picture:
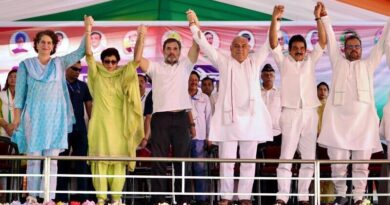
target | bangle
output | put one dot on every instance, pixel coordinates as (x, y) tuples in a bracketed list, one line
[(317, 19)]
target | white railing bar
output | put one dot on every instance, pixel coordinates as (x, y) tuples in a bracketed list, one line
[(158, 177), (154, 193), (183, 177), (183, 161), (366, 194), (317, 185), (157, 159), (187, 193), (162, 159), (356, 178), (197, 177)]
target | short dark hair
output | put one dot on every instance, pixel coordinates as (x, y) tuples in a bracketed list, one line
[(195, 73), (49, 33), (208, 33), (296, 38), (170, 40), (110, 52), (97, 33), (323, 83), (267, 68), (207, 78), (350, 37)]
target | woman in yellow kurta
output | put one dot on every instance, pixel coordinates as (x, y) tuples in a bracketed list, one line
[(116, 125)]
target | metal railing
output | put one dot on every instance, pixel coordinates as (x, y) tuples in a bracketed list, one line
[(317, 175)]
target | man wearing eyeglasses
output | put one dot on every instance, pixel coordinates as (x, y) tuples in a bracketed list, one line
[(350, 121), (77, 139)]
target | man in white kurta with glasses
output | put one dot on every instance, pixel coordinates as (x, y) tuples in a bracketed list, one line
[(241, 117), (350, 121)]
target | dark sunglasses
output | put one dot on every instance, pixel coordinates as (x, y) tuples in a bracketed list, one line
[(113, 62), (74, 68)]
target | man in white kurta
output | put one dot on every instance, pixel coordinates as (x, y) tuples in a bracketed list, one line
[(299, 117), (240, 118), (271, 97), (350, 121)]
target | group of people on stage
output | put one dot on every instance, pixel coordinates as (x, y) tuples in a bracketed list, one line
[(46, 103)]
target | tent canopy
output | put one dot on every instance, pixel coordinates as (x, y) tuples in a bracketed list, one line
[(152, 10)]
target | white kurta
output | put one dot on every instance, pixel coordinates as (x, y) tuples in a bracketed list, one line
[(213, 101), (385, 123), (7, 109), (298, 80), (384, 129), (272, 101), (240, 113), (350, 121)]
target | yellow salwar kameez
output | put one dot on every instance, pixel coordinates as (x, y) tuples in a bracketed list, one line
[(116, 125)]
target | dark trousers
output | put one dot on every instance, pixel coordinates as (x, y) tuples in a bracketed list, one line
[(78, 143), (170, 129)]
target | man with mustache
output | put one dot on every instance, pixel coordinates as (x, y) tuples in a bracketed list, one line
[(201, 112), (299, 117), (241, 117), (170, 122), (350, 121)]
